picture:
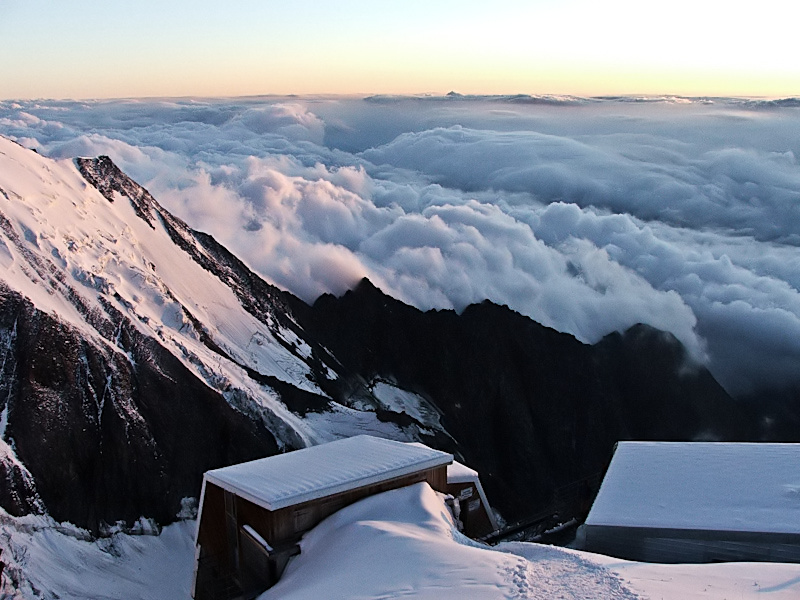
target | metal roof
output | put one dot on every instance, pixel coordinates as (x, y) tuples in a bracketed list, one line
[(287, 479), (715, 486)]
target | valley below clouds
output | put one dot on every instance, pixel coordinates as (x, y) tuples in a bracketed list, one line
[(588, 215)]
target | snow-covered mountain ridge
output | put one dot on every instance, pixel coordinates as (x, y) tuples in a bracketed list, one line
[(115, 314), (137, 353)]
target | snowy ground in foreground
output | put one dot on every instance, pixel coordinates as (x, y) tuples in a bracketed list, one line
[(400, 544), (59, 561)]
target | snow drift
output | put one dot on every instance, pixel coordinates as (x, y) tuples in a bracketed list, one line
[(399, 546)]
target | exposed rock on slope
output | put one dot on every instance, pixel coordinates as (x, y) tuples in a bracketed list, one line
[(108, 434)]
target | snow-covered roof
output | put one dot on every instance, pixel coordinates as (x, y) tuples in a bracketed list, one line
[(458, 473), (311, 473), (710, 486)]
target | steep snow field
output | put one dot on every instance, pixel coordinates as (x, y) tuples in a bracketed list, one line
[(69, 250), (400, 544)]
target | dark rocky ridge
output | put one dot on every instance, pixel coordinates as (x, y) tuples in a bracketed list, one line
[(107, 177), (531, 408)]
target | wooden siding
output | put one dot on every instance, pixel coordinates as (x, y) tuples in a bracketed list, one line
[(474, 513), (690, 545), (220, 539)]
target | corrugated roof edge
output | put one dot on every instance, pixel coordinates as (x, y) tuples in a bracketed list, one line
[(442, 458)]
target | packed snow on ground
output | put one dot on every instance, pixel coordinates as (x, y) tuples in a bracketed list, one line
[(400, 544), (51, 560)]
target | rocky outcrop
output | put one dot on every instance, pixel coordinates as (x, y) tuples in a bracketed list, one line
[(109, 180), (106, 433)]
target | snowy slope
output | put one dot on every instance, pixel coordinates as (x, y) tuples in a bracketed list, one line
[(401, 544), (48, 560), (88, 245), (74, 253), (144, 353)]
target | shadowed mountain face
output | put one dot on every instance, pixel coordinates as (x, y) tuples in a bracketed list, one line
[(136, 353), (531, 408)]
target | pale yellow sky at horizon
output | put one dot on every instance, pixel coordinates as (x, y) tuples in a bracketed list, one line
[(90, 49)]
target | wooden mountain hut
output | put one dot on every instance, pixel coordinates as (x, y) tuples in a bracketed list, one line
[(252, 515), (475, 513)]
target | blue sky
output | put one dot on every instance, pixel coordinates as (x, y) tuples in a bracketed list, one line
[(92, 49)]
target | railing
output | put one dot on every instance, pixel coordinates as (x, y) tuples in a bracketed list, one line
[(568, 502)]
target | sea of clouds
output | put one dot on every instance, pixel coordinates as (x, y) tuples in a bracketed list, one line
[(587, 215)]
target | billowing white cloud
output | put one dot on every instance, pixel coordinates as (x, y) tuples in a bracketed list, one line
[(588, 216), (751, 191)]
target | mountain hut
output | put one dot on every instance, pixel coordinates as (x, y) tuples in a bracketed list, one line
[(698, 502), (252, 515)]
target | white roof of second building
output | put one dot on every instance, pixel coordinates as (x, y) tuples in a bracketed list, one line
[(287, 479), (458, 473), (709, 486)]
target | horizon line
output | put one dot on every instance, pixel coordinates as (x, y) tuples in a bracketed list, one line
[(451, 95)]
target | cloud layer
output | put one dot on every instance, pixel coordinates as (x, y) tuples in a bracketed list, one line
[(588, 216)]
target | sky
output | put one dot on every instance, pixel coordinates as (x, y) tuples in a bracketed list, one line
[(95, 49), (588, 216), (276, 127)]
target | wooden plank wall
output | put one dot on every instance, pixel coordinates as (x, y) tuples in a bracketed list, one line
[(287, 525), (474, 514), (282, 528)]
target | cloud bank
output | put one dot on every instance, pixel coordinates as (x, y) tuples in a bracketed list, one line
[(587, 215)]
